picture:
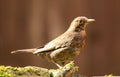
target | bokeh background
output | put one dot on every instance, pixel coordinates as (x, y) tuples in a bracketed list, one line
[(33, 23)]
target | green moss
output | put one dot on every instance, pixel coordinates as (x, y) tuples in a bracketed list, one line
[(20, 71), (9, 71), (109, 75), (2, 68), (5, 74)]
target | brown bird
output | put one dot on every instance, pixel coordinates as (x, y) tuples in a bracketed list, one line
[(65, 47)]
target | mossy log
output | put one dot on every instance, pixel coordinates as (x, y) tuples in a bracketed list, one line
[(33, 71)]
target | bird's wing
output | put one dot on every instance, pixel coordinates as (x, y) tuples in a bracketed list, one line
[(60, 42)]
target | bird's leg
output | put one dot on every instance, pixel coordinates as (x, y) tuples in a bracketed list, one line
[(59, 66)]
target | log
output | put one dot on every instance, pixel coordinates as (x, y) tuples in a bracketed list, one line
[(32, 71)]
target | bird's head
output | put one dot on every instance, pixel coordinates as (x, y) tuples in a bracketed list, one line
[(80, 23)]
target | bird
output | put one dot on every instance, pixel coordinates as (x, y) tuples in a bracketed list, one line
[(64, 48)]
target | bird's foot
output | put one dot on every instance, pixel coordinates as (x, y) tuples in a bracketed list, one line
[(60, 67)]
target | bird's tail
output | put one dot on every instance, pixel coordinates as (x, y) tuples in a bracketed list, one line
[(24, 50)]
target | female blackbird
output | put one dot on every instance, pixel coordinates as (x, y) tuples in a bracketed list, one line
[(65, 47)]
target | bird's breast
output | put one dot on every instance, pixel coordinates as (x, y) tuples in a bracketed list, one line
[(78, 43)]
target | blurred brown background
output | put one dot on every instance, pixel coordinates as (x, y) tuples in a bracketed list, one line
[(32, 23)]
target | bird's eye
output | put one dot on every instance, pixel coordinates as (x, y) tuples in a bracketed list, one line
[(81, 21)]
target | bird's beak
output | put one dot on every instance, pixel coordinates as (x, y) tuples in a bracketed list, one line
[(91, 20)]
